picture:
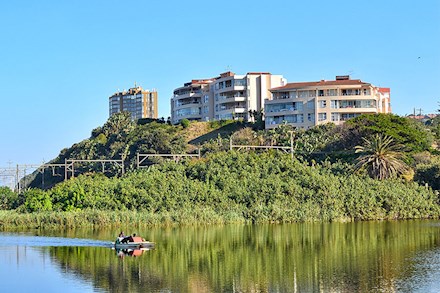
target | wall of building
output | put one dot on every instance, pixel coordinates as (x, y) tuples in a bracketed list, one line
[(139, 102)]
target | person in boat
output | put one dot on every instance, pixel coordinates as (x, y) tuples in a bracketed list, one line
[(128, 239), (121, 236)]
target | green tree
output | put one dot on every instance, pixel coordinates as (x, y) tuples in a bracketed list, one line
[(380, 157), (406, 131), (8, 198)]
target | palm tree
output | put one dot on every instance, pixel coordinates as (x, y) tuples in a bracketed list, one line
[(381, 157)]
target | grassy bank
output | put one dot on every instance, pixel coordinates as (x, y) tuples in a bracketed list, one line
[(91, 218)]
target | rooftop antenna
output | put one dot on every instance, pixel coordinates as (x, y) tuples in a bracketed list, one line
[(420, 111), (228, 68), (135, 85)]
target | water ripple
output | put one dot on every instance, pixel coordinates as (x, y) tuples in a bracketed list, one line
[(42, 241)]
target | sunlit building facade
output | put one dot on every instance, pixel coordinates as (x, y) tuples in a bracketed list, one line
[(228, 96), (139, 102), (306, 104)]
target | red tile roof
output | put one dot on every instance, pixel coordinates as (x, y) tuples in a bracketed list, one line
[(297, 85), (384, 89)]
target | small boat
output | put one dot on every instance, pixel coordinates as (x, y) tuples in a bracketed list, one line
[(132, 243)]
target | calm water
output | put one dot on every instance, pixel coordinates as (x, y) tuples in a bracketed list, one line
[(351, 257)]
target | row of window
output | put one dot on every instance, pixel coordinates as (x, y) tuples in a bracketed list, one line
[(295, 118), (182, 92), (223, 107), (337, 116), (295, 94), (342, 104), (299, 118), (230, 83), (179, 103), (187, 112), (237, 94)]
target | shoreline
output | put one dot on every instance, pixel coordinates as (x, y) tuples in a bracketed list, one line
[(94, 219)]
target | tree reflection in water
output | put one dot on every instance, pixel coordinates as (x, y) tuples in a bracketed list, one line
[(342, 257)]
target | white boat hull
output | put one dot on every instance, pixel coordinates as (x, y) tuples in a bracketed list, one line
[(131, 245)]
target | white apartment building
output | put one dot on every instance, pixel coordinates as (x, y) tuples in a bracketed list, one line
[(228, 96), (306, 104)]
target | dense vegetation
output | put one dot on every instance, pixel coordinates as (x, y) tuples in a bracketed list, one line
[(319, 184), (241, 187)]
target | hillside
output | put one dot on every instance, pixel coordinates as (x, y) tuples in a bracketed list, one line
[(120, 138)]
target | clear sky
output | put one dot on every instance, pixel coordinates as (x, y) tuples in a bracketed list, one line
[(61, 60)]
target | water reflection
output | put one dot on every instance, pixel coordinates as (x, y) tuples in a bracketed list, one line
[(350, 257), (131, 252)]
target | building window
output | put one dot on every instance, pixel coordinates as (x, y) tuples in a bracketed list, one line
[(322, 116), (310, 117), (332, 92), (335, 117), (311, 104), (322, 104), (334, 104)]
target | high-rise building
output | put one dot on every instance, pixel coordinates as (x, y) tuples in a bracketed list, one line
[(306, 104), (139, 102), (228, 96)]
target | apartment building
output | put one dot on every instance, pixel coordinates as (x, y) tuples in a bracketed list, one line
[(306, 104), (193, 101), (227, 96), (139, 102)]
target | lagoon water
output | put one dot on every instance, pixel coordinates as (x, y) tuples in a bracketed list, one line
[(399, 256)]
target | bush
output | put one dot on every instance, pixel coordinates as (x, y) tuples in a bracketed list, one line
[(185, 123), (429, 173), (8, 199)]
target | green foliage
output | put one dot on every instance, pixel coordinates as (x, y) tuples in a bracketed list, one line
[(220, 123), (403, 130), (185, 123), (118, 138), (8, 198), (381, 157), (244, 187), (315, 139), (36, 200), (101, 139), (429, 173)]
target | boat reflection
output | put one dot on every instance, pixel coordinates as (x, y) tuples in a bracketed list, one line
[(121, 253)]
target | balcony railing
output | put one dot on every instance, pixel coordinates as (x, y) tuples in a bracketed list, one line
[(188, 103)]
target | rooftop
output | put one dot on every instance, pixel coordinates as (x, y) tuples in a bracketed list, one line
[(340, 81)]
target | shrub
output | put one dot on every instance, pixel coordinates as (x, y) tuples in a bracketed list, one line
[(185, 123), (8, 199)]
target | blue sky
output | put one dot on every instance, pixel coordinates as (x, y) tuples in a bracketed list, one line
[(61, 60)]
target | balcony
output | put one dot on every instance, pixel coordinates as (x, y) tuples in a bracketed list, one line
[(230, 99), (187, 95), (232, 110)]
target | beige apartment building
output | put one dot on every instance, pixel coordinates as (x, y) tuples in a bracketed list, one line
[(306, 104), (139, 102), (228, 96), (193, 101)]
